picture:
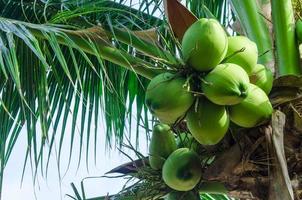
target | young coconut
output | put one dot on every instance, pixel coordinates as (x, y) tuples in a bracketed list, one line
[(168, 98), (208, 123), (243, 52), (263, 78), (204, 44), (182, 196), (227, 84), (182, 170), (253, 110), (162, 144)]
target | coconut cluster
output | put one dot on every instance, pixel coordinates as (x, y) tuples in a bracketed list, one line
[(179, 163), (177, 157), (220, 83), (228, 84)]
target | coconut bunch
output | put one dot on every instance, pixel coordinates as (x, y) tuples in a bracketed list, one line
[(180, 166), (179, 159), (220, 82)]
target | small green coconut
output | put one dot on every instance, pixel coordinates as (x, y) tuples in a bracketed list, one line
[(243, 52), (227, 84), (204, 44), (253, 110), (182, 170), (183, 196), (208, 123), (162, 144), (263, 78), (167, 97)]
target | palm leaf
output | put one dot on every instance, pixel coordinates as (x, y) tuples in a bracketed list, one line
[(48, 73)]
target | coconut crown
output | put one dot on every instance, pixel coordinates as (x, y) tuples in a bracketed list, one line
[(168, 98), (208, 123), (204, 44), (226, 84), (253, 110), (243, 52), (162, 144), (182, 170), (262, 77)]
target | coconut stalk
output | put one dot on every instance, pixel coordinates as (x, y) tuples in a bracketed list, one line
[(287, 55), (255, 27)]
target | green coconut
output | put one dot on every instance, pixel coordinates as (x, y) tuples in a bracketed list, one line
[(167, 97), (253, 110), (227, 84), (182, 196), (263, 78), (204, 44), (182, 170), (208, 123), (162, 144), (243, 52)]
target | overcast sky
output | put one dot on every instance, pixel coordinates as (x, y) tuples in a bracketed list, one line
[(49, 188)]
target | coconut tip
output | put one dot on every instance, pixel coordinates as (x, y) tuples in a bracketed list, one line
[(243, 90), (243, 94)]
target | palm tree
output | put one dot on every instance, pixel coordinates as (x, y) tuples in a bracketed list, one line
[(85, 58)]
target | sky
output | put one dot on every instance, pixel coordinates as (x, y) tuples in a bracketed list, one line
[(50, 188)]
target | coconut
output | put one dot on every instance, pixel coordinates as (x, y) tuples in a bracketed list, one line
[(227, 84), (253, 110), (182, 170), (167, 97), (208, 123), (161, 146), (182, 196), (243, 52), (263, 78), (204, 44)]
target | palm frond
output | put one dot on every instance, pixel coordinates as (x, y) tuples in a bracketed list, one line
[(49, 73)]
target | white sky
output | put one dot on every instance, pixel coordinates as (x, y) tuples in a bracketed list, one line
[(49, 188)]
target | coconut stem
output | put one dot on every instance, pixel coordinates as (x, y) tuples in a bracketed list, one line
[(233, 54), (206, 82), (287, 58)]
